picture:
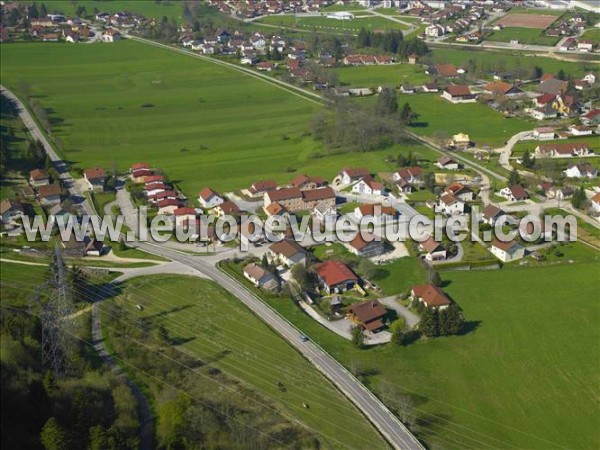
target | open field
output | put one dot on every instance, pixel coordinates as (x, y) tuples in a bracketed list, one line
[(532, 36), (508, 61), (481, 123), (484, 389), (592, 35), (180, 114), (214, 327), (147, 8), (384, 75), (368, 22), (520, 20)]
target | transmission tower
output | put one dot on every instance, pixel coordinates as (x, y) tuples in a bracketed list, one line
[(57, 328)]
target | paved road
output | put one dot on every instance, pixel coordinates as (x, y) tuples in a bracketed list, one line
[(387, 424)]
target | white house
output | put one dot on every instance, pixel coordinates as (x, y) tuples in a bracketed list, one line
[(460, 191), (95, 178), (515, 193), (579, 130), (581, 170), (543, 133), (369, 186), (434, 31), (507, 251), (379, 213), (350, 175), (447, 163), (287, 252), (111, 35), (491, 214), (208, 198), (433, 250), (260, 277), (449, 204)]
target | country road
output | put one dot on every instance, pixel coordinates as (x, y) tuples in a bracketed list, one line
[(380, 416)]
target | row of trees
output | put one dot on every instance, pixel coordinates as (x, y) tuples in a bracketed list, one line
[(442, 323)]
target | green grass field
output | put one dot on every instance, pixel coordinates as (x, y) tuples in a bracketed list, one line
[(508, 61), (385, 75), (520, 379), (592, 35), (207, 126), (147, 8), (216, 328), (366, 21), (532, 36), (481, 123)]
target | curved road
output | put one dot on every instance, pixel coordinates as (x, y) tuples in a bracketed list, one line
[(379, 415)]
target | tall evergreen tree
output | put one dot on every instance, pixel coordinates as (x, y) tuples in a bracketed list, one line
[(430, 322)]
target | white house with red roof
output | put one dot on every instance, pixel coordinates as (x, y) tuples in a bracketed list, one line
[(369, 186), (335, 276), (95, 178), (431, 296), (507, 251), (350, 175), (433, 249), (209, 198)]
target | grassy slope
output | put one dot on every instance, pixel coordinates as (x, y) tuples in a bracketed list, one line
[(520, 380), (523, 146), (342, 26), (592, 35), (216, 328), (231, 127)]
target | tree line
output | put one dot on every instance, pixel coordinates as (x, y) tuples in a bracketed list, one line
[(391, 42)]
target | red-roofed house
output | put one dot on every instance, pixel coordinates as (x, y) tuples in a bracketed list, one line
[(38, 177), (350, 175), (433, 249), (369, 186), (368, 314), (458, 93), (258, 189), (209, 198), (366, 245), (335, 276), (431, 296), (507, 251), (95, 177)]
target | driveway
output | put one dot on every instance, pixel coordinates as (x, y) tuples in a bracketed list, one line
[(411, 318)]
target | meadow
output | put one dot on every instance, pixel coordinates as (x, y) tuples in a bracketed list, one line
[(210, 324), (532, 36), (592, 35), (203, 124), (507, 61), (384, 75), (147, 8), (520, 378), (521, 147), (368, 22), (484, 125)]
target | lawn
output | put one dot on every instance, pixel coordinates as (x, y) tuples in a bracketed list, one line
[(384, 75), (507, 61), (147, 8), (532, 36), (214, 327), (519, 379), (202, 124), (484, 125), (592, 35), (368, 22)]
